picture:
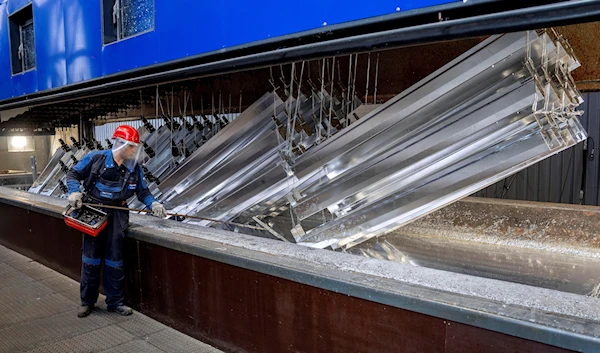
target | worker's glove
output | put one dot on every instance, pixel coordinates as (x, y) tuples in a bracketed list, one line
[(158, 210), (75, 200)]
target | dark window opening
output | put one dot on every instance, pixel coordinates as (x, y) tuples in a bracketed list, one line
[(22, 42), (126, 18)]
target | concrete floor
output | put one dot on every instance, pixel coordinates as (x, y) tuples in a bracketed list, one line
[(38, 313)]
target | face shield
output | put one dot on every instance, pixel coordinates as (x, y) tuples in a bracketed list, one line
[(128, 151)]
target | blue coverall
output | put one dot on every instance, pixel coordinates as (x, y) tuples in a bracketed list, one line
[(106, 183)]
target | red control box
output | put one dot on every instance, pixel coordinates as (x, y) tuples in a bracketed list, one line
[(87, 219)]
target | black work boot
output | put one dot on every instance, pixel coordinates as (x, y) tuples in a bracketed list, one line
[(121, 310), (84, 310)]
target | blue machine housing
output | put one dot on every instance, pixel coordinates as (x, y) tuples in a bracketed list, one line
[(69, 47)]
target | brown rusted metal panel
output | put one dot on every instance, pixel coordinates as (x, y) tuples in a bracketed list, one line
[(463, 338), (261, 313), (585, 40), (42, 238)]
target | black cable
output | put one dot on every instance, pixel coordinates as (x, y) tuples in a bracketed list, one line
[(497, 191), (505, 191), (588, 154), (566, 176)]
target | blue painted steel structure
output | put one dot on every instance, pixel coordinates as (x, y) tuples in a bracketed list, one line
[(68, 34)]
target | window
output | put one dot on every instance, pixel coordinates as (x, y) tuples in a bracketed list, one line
[(126, 18), (22, 43), (21, 144)]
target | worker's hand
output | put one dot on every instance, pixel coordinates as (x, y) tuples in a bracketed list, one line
[(158, 210), (75, 200)]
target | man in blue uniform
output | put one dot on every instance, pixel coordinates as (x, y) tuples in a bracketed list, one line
[(110, 177)]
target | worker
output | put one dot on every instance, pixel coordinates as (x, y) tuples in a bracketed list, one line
[(110, 177)]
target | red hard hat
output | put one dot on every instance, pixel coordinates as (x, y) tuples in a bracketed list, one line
[(127, 133)]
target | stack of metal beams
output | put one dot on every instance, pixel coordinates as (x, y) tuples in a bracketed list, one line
[(50, 168), (498, 108), (164, 148), (52, 180), (502, 106), (169, 145), (247, 163)]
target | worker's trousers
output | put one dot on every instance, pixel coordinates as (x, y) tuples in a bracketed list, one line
[(104, 251)]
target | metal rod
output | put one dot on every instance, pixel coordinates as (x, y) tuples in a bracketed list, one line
[(376, 79), (349, 91), (269, 229), (331, 96), (33, 169), (293, 128), (353, 85), (220, 111), (171, 130), (289, 138), (193, 119), (322, 99), (141, 103), (175, 214)]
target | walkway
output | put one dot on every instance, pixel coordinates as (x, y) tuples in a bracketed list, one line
[(38, 313)]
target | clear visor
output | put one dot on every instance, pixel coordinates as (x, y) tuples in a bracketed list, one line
[(129, 152)]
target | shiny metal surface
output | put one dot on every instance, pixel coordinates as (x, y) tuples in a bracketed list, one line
[(164, 149), (245, 163), (161, 144), (58, 176), (245, 167), (411, 100), (539, 268), (489, 119), (253, 118), (42, 179), (387, 169), (428, 193), (167, 147)]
